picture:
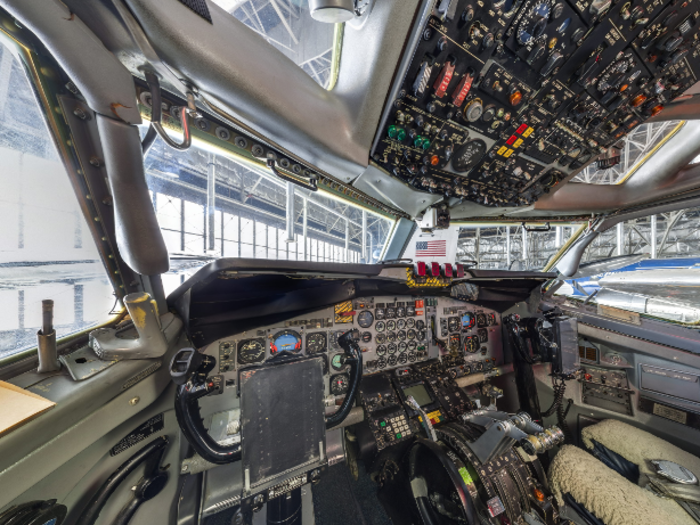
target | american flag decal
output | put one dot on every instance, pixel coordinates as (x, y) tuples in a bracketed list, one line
[(431, 248)]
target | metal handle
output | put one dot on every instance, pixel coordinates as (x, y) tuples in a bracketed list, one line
[(187, 138), (310, 186)]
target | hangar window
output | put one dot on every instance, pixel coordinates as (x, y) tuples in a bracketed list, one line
[(636, 147), (46, 249), (287, 25), (511, 247), (209, 206), (650, 265)]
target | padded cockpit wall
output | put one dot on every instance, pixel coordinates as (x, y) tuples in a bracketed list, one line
[(237, 71)]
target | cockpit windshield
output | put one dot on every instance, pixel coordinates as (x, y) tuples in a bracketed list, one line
[(287, 25), (210, 206)]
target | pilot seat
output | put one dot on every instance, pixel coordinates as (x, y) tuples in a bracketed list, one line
[(616, 481)]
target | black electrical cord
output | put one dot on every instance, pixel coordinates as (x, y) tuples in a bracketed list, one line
[(559, 387), (156, 111)]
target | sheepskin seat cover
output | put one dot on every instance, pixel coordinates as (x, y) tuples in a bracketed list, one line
[(638, 446), (609, 496)]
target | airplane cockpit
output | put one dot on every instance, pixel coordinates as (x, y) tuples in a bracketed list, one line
[(349, 262)]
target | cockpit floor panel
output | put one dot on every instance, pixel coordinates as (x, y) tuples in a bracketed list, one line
[(340, 500)]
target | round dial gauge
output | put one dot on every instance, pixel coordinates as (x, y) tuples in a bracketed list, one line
[(410, 323), (334, 339), (478, 366), (366, 337), (379, 313), (391, 325), (381, 350), (391, 348), (411, 334), (491, 319), (381, 362), (420, 325), (410, 311), (412, 346), (468, 155), (251, 351), (403, 347), (316, 343), (379, 327), (403, 358), (483, 335), (401, 311), (365, 319), (392, 360), (286, 341), (411, 357), (340, 384), (401, 335), (480, 319), (401, 324), (420, 335), (453, 324), (468, 320), (380, 339), (337, 363), (471, 344), (390, 337), (390, 313), (454, 342)]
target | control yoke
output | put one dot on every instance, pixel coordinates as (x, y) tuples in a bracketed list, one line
[(189, 370), (353, 357)]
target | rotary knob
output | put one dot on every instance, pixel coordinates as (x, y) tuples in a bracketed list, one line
[(671, 43), (552, 62), (537, 52), (473, 110), (599, 7)]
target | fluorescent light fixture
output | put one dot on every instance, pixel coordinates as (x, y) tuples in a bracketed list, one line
[(332, 11)]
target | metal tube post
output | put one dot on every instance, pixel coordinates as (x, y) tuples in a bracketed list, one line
[(620, 238), (347, 239), (290, 212), (364, 236), (46, 340), (211, 203), (652, 234), (305, 229), (507, 247), (524, 254)]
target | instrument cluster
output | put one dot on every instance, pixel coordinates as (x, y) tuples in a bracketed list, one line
[(394, 332), (503, 99)]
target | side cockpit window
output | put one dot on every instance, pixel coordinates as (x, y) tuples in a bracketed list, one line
[(46, 249)]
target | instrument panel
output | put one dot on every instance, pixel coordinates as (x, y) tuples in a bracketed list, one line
[(503, 99), (395, 331)]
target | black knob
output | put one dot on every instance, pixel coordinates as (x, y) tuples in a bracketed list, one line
[(552, 62), (537, 52)]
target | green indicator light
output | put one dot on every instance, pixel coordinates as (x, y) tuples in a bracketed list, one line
[(382, 424), (393, 130), (418, 141), (426, 144), (398, 436), (401, 134)]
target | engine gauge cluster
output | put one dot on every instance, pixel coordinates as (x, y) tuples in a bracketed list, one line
[(412, 330), (504, 99)]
